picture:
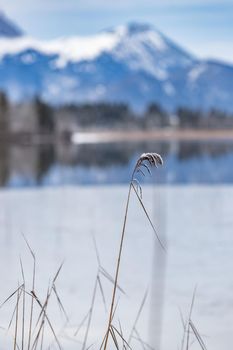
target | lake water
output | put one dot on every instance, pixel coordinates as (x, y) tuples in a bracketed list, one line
[(190, 202), (66, 164)]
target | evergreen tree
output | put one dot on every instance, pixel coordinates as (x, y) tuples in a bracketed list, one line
[(4, 115), (45, 117)]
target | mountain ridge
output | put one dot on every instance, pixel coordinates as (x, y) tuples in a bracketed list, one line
[(8, 28), (134, 64)]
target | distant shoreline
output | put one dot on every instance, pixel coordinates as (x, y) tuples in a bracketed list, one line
[(109, 136), (93, 136)]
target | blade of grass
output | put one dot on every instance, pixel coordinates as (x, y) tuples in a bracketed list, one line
[(60, 303), (33, 288), (23, 305), (82, 323), (118, 267), (114, 337), (90, 314), (102, 292), (138, 315), (198, 336), (16, 320), (149, 219), (110, 278), (189, 318)]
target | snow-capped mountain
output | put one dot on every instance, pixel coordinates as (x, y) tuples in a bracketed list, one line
[(8, 28), (134, 64)]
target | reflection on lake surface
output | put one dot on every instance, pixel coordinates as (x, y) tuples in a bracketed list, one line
[(57, 164)]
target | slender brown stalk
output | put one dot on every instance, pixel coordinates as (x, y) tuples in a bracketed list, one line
[(90, 314), (189, 318), (118, 267), (23, 318), (23, 305), (138, 316), (16, 319), (33, 288), (146, 160)]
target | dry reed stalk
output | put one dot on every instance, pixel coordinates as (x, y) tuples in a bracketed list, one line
[(90, 314), (147, 161), (189, 318), (198, 336), (33, 288), (16, 319), (138, 316), (23, 305)]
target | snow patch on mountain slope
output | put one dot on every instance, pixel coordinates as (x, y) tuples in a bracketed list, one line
[(69, 49), (196, 72)]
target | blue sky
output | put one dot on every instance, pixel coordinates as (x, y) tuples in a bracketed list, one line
[(203, 27)]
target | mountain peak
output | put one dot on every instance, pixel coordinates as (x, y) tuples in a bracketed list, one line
[(131, 28), (8, 28), (137, 27)]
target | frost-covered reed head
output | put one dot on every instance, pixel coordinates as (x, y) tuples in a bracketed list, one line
[(147, 161)]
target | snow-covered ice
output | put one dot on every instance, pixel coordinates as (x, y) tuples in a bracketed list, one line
[(195, 222)]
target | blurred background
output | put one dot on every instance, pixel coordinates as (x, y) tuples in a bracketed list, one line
[(85, 88)]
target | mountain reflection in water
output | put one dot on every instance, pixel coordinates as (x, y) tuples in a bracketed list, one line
[(65, 163)]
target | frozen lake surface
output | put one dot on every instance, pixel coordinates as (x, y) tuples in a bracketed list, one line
[(194, 222)]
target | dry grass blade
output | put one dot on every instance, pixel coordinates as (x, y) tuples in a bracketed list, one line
[(138, 315), (47, 319), (15, 308), (22, 270), (10, 296), (182, 319), (34, 345), (113, 314), (58, 272), (149, 219), (114, 338), (42, 337), (119, 333), (142, 342), (43, 307), (50, 289), (99, 271), (138, 187), (110, 278), (103, 342), (123, 343), (147, 168), (60, 303), (42, 316), (23, 306), (117, 268), (28, 245), (81, 323), (139, 339), (23, 317), (90, 314), (198, 336), (33, 288), (96, 250), (148, 159), (102, 292), (187, 329), (16, 319)]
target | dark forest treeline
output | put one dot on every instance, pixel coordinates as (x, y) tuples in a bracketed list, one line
[(38, 117), (119, 115)]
